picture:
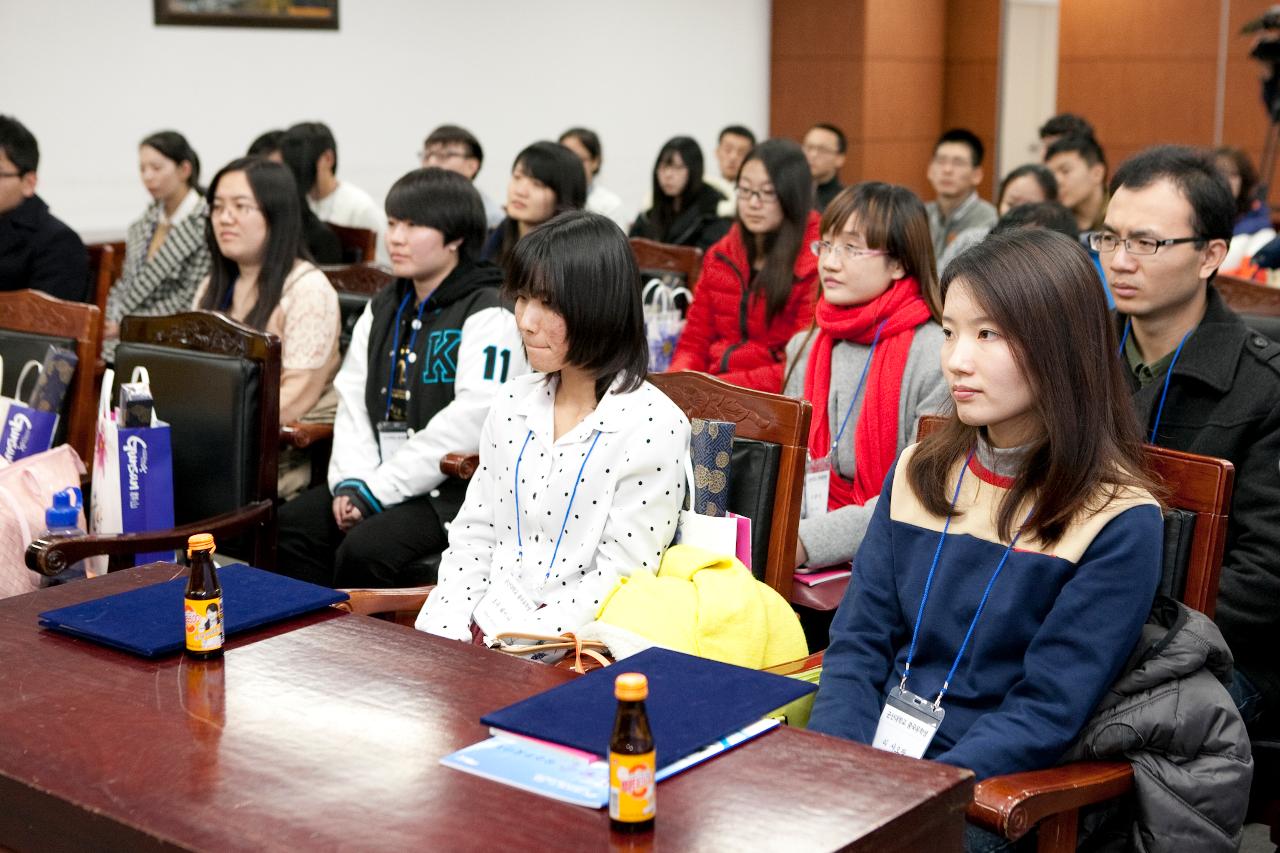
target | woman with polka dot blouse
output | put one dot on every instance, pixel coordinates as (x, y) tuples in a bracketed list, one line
[(582, 464)]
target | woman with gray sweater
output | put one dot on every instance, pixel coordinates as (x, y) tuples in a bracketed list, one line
[(870, 364)]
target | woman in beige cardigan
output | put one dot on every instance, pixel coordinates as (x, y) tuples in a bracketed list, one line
[(260, 278)]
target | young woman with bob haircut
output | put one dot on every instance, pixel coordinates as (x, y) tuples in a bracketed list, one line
[(260, 278), (546, 180), (166, 256), (759, 283), (386, 502), (1014, 554), (684, 208), (869, 364), (583, 461)]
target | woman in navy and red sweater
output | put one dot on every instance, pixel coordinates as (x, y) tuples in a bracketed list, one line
[(759, 283), (1014, 553)]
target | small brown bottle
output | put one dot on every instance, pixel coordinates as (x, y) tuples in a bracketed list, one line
[(633, 797), (202, 601)]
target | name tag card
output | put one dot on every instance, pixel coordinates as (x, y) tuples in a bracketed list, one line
[(907, 724), (503, 607), (817, 485), (392, 435)]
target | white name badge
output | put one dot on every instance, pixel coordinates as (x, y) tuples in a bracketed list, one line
[(907, 724), (817, 486), (504, 606), (391, 437)]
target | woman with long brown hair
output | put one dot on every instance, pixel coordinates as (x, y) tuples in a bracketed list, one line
[(869, 364), (1014, 553)]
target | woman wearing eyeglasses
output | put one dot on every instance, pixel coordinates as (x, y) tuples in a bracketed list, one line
[(259, 277), (684, 208), (758, 284), (870, 362)]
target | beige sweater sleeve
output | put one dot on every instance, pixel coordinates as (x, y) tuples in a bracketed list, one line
[(307, 323)]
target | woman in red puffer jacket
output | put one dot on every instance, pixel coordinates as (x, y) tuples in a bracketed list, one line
[(759, 283)]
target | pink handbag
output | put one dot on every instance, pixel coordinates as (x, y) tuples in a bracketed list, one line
[(26, 491)]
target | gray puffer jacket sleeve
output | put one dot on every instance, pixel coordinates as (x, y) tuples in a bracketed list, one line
[(1170, 715)]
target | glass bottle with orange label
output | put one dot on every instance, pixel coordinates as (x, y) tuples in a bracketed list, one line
[(633, 797), (202, 602)]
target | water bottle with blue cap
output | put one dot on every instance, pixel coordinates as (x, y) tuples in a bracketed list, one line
[(63, 522)]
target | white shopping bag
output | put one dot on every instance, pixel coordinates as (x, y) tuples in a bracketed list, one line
[(663, 321)]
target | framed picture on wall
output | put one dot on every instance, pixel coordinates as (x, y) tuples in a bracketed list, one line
[(300, 14)]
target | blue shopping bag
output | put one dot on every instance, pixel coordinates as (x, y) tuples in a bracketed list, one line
[(132, 474), (24, 431)]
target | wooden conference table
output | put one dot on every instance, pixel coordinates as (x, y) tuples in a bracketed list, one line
[(325, 732)]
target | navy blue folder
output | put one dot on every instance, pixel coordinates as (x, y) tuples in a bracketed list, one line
[(693, 702), (149, 621)]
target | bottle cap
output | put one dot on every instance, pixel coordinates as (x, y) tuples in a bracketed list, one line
[(631, 687), (200, 542), (65, 511)]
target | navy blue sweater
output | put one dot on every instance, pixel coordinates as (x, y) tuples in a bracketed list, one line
[(1054, 634)]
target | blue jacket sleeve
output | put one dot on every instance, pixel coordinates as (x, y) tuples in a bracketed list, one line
[(866, 633), (1075, 655)]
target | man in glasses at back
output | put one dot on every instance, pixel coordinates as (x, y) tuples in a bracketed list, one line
[(457, 149), (37, 250), (1203, 382)]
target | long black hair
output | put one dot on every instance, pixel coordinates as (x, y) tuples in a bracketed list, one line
[(580, 265), (788, 171), (276, 195), (174, 146), (666, 208)]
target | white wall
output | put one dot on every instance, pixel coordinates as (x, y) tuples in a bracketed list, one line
[(92, 78), (1028, 79)]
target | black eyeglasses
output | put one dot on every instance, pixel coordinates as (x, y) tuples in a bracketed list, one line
[(1105, 242)]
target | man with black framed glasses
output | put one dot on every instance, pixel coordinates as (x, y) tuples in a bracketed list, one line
[(1203, 382), (458, 150), (37, 250)]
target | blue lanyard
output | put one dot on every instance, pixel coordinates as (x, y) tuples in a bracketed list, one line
[(911, 653), (225, 307), (857, 392), (1168, 374), (567, 510), (395, 347)]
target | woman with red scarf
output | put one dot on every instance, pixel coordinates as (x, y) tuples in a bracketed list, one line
[(758, 283), (870, 364)]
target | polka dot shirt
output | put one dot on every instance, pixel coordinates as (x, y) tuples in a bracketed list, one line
[(622, 518)]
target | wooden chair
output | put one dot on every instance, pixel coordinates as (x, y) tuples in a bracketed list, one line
[(769, 418), (73, 325), (1012, 805), (359, 245), (684, 261), (217, 383), (106, 265), (1248, 297)]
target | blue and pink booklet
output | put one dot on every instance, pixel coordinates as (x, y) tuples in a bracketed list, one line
[(556, 743)]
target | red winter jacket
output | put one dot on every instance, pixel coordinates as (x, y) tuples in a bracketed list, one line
[(726, 334)]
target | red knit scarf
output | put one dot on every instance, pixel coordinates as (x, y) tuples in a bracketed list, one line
[(875, 438)]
